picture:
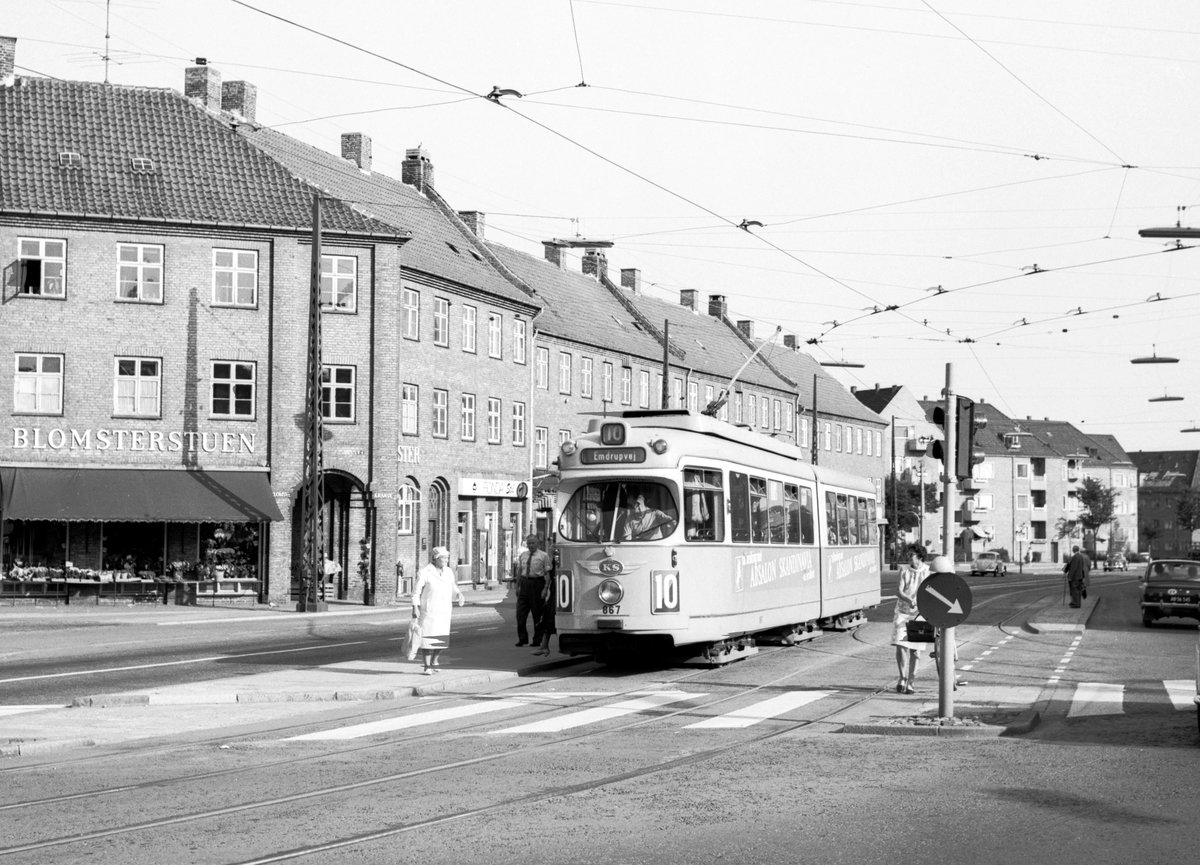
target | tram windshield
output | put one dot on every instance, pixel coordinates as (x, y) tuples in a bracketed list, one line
[(619, 511)]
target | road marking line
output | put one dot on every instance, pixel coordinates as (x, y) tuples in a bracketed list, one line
[(593, 716), (434, 716), (1181, 691), (1097, 698), (17, 710), (760, 711)]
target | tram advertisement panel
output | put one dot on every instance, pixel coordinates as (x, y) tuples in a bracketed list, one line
[(766, 569), (843, 564)]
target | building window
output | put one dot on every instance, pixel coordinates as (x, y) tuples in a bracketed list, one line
[(519, 330), (441, 322), (764, 418), (693, 396), (441, 405), (564, 435), (1022, 470), (339, 283), (837, 438), (858, 445), (409, 397), (140, 272), (677, 392), (232, 389), (802, 440), (751, 412), (564, 372), (542, 368), (868, 438), (137, 388), (789, 420), (410, 303), (42, 267), (737, 407), (626, 385), (38, 384), (879, 442), (541, 442), (470, 315), (585, 377), (606, 382), (828, 433), (468, 417), (777, 419), (1022, 502), (644, 388), (495, 335), (235, 277), (406, 509), (709, 393), (493, 420), (518, 425), (337, 393)]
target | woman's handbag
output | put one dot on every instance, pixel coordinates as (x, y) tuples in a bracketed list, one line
[(412, 640), (919, 631)]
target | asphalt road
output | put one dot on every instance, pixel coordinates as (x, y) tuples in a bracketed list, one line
[(664, 764)]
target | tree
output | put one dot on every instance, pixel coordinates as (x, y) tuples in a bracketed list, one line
[(1098, 505), (904, 509), (1149, 533), (1187, 511)]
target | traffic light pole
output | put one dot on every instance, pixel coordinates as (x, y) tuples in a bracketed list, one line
[(945, 643)]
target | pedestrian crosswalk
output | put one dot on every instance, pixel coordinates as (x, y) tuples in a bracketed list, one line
[(1106, 698), (509, 714)]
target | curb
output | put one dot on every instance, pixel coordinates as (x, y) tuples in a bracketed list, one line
[(101, 701), (984, 732), (27, 749)]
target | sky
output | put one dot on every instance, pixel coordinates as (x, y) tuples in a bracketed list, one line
[(930, 188)]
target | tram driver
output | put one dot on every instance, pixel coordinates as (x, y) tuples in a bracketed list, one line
[(643, 523)]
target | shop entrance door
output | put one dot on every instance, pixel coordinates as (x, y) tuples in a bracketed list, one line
[(483, 562)]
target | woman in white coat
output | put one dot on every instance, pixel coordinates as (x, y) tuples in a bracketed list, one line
[(436, 588)]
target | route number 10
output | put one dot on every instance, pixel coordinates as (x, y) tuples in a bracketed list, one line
[(665, 591)]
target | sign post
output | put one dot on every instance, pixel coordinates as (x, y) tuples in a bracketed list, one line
[(944, 599)]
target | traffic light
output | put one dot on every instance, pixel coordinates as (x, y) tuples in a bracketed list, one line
[(965, 427)]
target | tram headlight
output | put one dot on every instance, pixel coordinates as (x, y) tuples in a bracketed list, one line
[(568, 448), (659, 446), (611, 592)]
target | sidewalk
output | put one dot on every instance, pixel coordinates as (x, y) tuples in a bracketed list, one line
[(175, 713)]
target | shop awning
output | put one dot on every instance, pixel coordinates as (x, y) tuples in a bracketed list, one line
[(136, 495)]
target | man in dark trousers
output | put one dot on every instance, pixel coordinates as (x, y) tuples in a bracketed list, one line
[(530, 571), (1077, 569)]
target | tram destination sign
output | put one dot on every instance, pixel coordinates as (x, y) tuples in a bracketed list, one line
[(611, 456)]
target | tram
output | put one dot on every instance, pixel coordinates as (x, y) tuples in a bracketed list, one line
[(678, 531)]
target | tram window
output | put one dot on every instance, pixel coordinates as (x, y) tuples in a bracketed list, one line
[(703, 505), (872, 526), (619, 511), (739, 508), (864, 524), (791, 506), (758, 510), (843, 512), (807, 533), (831, 517), (775, 513)]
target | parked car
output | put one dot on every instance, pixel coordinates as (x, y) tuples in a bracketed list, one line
[(1116, 562), (990, 562), (1170, 587)]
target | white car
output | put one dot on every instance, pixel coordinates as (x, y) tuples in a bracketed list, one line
[(989, 563)]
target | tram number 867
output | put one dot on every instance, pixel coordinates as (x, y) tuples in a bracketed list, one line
[(665, 591)]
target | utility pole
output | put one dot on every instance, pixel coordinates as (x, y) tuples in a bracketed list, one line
[(945, 644), (665, 397), (312, 540)]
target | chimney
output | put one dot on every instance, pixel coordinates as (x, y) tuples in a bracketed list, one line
[(595, 264), (554, 252), (203, 82), (747, 328), (789, 341), (716, 305), (417, 168), (356, 148), (474, 220), (8, 60), (239, 97), (631, 278), (853, 388), (687, 297)]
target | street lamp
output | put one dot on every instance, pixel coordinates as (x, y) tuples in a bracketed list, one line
[(1022, 536)]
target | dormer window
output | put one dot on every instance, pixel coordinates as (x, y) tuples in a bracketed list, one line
[(1012, 441), (70, 159), (142, 165)]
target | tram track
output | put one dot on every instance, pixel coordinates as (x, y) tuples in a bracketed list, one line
[(522, 753)]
